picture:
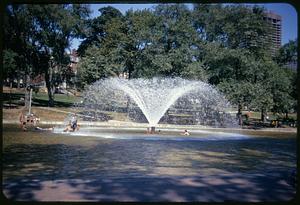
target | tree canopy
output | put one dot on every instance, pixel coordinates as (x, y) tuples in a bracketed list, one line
[(223, 45), (38, 35)]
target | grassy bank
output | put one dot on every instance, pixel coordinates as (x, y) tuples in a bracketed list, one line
[(13, 101), (45, 115), (55, 114), (15, 98)]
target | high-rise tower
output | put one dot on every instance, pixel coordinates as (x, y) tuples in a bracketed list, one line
[(275, 23)]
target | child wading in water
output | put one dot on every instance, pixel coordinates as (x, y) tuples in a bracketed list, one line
[(186, 132), (73, 125)]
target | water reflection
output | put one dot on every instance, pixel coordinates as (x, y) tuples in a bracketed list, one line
[(142, 157)]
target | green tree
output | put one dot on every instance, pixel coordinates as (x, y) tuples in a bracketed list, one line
[(55, 26), (95, 29), (282, 89), (232, 26), (145, 43), (235, 52), (224, 45), (287, 53), (101, 50), (93, 66), (40, 36), (17, 47), (179, 40), (9, 65)]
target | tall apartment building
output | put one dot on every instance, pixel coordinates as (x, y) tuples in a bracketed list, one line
[(275, 22)]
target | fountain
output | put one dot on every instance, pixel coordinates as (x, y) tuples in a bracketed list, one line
[(154, 97), (71, 165)]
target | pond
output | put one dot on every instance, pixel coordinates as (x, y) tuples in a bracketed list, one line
[(127, 165)]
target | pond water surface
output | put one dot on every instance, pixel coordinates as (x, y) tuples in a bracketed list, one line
[(152, 163)]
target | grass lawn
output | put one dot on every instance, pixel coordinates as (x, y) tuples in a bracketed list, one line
[(62, 103), (60, 100), (38, 99), (117, 116), (45, 115), (65, 102), (56, 114), (257, 115)]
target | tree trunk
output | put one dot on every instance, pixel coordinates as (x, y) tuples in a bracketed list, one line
[(50, 87), (18, 81), (27, 94), (130, 69), (239, 115), (10, 97), (286, 115), (262, 115), (24, 82), (129, 73)]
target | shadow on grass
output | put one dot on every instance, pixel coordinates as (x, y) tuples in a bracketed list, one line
[(15, 98), (45, 103), (12, 96)]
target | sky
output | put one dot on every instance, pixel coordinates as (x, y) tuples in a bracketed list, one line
[(286, 11)]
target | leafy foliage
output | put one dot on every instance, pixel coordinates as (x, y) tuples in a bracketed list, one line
[(223, 45), (39, 35), (287, 53)]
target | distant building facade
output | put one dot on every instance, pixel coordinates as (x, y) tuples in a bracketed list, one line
[(275, 34), (74, 59), (71, 73)]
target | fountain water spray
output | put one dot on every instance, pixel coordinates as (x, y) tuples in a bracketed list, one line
[(154, 97)]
